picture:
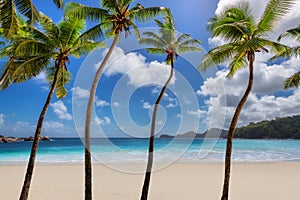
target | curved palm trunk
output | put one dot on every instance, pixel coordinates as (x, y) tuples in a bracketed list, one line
[(145, 189), (3, 77), (30, 166), (87, 144), (232, 129)]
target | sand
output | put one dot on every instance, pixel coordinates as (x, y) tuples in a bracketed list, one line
[(181, 181)]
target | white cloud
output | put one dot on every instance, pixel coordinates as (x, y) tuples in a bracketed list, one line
[(147, 105), (116, 104), (52, 126), (61, 110), (172, 105), (104, 121), (262, 103), (41, 78), (198, 113), (2, 119), (101, 103), (80, 93), (139, 72), (22, 126)]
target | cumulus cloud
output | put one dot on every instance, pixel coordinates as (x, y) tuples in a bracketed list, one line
[(101, 103), (104, 121), (198, 113), (61, 110), (80, 93), (50, 126), (263, 103), (22, 126), (139, 72)]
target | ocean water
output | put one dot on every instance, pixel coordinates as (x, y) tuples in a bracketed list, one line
[(70, 150)]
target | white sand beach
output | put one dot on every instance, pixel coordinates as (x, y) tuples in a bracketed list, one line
[(181, 181)]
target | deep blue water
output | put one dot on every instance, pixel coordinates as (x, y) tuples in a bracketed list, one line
[(70, 150)]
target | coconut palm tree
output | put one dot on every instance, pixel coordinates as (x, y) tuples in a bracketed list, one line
[(164, 42), (115, 16), (244, 37), (8, 14), (47, 49), (293, 33)]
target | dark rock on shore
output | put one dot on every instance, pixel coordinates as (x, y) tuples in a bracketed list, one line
[(16, 139)]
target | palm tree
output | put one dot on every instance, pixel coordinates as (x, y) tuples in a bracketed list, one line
[(294, 33), (47, 49), (245, 38), (165, 42), (8, 14), (115, 17)]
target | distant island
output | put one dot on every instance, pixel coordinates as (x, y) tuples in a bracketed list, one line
[(279, 128), (10, 139)]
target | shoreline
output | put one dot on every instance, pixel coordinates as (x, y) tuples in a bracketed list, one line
[(266, 181)]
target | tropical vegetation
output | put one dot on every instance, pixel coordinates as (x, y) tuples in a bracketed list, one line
[(165, 42), (245, 37), (8, 14), (279, 128), (115, 17), (294, 33)]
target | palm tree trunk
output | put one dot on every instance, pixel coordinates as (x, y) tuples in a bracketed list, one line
[(87, 144), (145, 189), (30, 166), (3, 77), (232, 129)]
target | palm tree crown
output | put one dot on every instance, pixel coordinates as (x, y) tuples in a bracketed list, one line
[(8, 14), (53, 44), (114, 16), (167, 42), (244, 35)]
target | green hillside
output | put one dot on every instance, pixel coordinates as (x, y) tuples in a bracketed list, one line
[(279, 128)]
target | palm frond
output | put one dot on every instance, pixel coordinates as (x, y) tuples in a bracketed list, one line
[(81, 11), (185, 49), (144, 14), (154, 39), (291, 33), (292, 81), (86, 47), (29, 47), (27, 8), (274, 13), (58, 3), (63, 78), (218, 55), (237, 63), (233, 24), (49, 27), (158, 51), (70, 29), (8, 19)]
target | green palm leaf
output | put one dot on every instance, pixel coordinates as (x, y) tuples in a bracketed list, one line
[(8, 19), (292, 81), (274, 12)]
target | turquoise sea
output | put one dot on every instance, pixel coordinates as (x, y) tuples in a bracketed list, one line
[(70, 150)]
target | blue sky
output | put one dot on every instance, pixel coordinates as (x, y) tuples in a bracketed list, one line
[(129, 87)]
